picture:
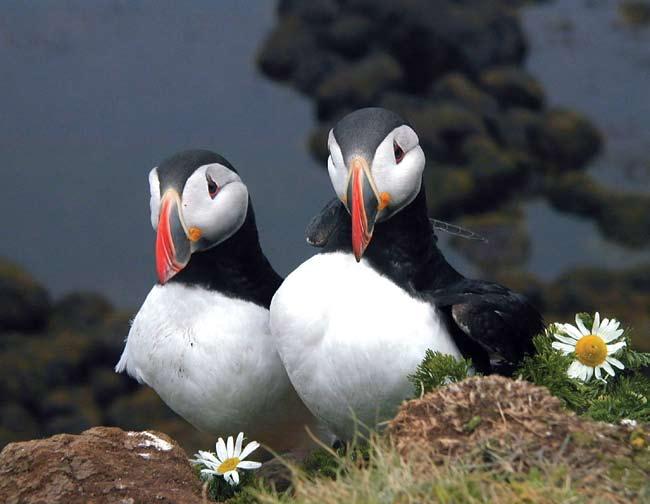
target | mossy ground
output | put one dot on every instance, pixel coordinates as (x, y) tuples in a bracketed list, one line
[(484, 439), (486, 473)]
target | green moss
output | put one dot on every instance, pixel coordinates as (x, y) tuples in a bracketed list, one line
[(219, 490), (321, 463), (473, 423), (566, 140), (635, 13), (15, 274), (438, 369), (632, 471), (361, 83), (513, 86), (457, 87)]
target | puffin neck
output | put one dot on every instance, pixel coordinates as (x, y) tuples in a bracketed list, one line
[(404, 248), (237, 267)]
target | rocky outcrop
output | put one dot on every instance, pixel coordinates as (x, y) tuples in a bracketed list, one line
[(101, 465)]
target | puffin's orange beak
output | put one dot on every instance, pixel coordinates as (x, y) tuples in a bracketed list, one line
[(172, 245), (363, 205)]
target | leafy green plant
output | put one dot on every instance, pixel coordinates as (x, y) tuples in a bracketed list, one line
[(625, 395), (438, 369), (219, 490)]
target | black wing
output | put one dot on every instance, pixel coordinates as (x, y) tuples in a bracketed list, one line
[(324, 224), (499, 321)]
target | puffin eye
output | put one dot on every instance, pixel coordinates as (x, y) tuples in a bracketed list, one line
[(399, 152), (213, 188)]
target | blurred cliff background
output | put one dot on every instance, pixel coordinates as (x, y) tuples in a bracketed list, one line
[(534, 116)]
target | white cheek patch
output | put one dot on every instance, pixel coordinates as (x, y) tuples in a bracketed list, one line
[(220, 217), (401, 180), (154, 200), (338, 176)]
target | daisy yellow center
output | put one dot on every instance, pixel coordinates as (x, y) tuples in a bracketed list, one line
[(228, 465), (591, 350)]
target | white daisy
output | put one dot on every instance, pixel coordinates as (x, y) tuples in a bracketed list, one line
[(228, 459), (593, 348)]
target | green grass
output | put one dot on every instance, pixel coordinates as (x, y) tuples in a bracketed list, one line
[(385, 477)]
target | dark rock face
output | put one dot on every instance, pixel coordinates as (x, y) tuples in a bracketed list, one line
[(102, 465), (24, 305)]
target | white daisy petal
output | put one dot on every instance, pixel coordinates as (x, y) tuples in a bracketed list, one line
[(607, 367), (596, 326), (208, 472), (589, 372), (205, 456), (615, 347), (581, 327), (615, 362), (563, 347), (575, 369), (584, 373), (613, 325), (565, 339), (222, 453), (572, 331), (604, 323), (249, 464), (250, 448), (238, 443), (230, 447), (609, 335), (232, 477), (597, 373)]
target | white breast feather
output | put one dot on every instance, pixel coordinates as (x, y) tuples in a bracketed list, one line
[(349, 337), (212, 360)]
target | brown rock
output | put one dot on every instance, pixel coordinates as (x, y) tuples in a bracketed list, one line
[(101, 465)]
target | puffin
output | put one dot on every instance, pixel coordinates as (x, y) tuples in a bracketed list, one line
[(202, 339), (355, 320)]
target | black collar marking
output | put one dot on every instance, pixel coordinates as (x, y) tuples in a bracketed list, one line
[(236, 267)]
